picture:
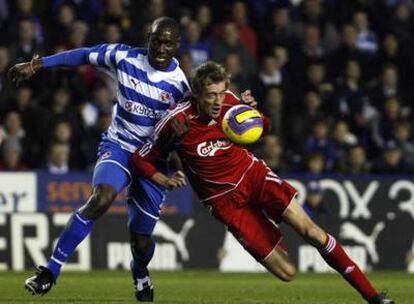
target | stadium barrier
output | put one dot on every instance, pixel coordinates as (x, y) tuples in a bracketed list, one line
[(373, 216)]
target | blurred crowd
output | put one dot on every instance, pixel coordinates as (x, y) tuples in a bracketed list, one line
[(335, 77)]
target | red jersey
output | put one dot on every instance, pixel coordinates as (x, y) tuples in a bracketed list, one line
[(214, 165)]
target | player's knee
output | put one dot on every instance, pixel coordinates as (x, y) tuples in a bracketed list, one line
[(314, 235), (99, 202), (140, 243), (287, 274)]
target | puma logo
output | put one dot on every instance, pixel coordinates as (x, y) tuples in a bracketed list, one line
[(178, 239), (134, 82), (352, 232)]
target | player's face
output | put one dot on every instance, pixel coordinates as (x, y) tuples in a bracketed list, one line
[(212, 98), (162, 46)]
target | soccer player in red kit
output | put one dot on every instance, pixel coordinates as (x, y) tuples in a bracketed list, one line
[(239, 189)]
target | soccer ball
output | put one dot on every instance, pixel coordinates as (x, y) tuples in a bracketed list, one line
[(242, 124)]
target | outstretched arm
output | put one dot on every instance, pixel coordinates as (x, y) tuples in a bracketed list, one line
[(101, 55), (25, 70)]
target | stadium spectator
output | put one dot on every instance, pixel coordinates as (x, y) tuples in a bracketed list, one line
[(77, 36), (12, 128), (308, 50), (401, 22), (11, 152), (87, 11), (63, 133), (33, 120), (353, 102), (229, 42), (58, 158), (388, 87), (5, 88), (391, 161), (23, 9), (301, 122), (271, 72), (347, 51), (26, 44), (116, 12), (402, 134), (61, 26), (273, 107), (314, 165), (101, 101), (199, 49), (366, 39), (112, 33), (248, 37), (320, 142), (271, 151), (280, 29), (392, 113), (234, 66), (356, 161), (204, 20), (313, 204), (316, 80), (392, 53), (343, 139), (62, 109)]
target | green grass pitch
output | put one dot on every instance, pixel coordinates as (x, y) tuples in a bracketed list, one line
[(205, 287)]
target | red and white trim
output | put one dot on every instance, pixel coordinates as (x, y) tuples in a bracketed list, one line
[(330, 244)]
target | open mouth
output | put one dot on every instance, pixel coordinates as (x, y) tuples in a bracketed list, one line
[(161, 58), (215, 111)]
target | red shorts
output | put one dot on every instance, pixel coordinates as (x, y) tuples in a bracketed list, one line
[(246, 210)]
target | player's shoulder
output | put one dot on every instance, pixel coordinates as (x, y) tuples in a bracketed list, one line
[(182, 109), (135, 51), (230, 99), (179, 111)]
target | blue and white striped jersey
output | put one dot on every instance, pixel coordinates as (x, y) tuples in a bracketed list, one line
[(143, 93)]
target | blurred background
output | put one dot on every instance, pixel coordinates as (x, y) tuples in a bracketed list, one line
[(335, 77)]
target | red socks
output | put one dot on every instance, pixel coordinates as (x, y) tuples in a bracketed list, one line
[(333, 254)]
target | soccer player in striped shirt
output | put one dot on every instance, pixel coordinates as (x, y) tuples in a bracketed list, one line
[(149, 81), (240, 190)]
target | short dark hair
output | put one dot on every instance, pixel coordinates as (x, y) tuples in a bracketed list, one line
[(206, 74), (163, 23)]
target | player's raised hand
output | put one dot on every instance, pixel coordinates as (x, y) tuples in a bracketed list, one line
[(176, 181), (247, 98), (25, 70)]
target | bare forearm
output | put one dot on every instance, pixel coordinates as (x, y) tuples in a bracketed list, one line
[(160, 179)]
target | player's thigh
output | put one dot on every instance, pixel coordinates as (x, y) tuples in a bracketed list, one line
[(112, 167), (298, 219), (144, 205), (275, 197), (278, 263), (250, 227)]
